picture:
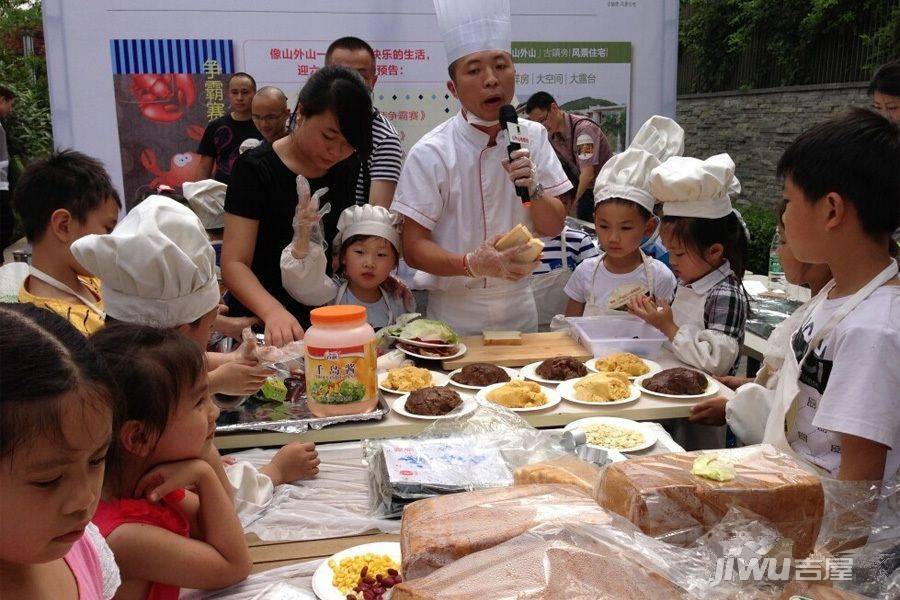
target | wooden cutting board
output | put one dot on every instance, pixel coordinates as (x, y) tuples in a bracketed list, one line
[(534, 347)]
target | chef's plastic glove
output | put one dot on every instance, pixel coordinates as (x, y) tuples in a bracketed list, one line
[(521, 169), (487, 261)]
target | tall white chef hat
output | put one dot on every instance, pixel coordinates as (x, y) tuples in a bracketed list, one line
[(690, 187), (368, 220), (660, 136), (207, 199), (157, 267), (626, 175), (473, 26)]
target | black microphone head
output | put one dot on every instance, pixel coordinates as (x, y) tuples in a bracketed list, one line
[(508, 114)]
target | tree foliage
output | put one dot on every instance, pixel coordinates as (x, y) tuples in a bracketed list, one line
[(789, 42), (28, 127)]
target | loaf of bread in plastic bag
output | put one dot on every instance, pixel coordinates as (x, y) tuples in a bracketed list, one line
[(437, 531), (665, 500), (561, 565), (568, 470)]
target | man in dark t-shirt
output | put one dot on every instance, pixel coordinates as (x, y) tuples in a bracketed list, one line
[(223, 136)]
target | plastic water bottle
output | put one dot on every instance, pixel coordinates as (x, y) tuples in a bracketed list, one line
[(776, 271)]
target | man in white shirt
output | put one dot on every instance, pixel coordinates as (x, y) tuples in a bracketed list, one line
[(457, 188)]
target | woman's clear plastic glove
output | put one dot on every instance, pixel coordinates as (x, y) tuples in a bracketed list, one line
[(307, 219), (487, 261)]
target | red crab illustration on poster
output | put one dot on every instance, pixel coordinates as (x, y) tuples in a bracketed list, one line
[(182, 166), (163, 97)]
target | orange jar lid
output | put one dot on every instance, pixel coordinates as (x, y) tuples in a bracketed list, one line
[(342, 314)]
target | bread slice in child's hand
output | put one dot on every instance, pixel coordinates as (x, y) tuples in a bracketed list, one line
[(623, 294)]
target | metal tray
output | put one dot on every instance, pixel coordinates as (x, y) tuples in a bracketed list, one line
[(255, 414)]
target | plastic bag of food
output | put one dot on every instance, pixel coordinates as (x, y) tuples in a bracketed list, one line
[(567, 470), (286, 360), (861, 530), (439, 530), (572, 561), (478, 450), (665, 499)]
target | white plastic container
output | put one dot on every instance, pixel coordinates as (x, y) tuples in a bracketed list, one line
[(340, 362), (613, 333)]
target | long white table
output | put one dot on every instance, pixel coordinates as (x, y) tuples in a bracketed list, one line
[(646, 408)]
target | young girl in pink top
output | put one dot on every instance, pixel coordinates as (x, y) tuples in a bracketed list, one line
[(55, 425), (163, 471)]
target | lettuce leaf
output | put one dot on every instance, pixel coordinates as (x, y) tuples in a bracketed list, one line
[(429, 330)]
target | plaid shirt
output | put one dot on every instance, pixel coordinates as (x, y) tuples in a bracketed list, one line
[(726, 310), (727, 306)]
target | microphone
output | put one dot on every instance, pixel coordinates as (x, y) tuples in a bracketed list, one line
[(509, 122)]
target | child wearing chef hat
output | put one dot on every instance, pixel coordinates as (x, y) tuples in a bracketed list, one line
[(157, 268), (623, 218), (368, 249), (707, 245)]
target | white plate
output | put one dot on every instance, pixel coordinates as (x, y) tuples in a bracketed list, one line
[(647, 432), (513, 374), (437, 380), (529, 372), (423, 344), (655, 367), (462, 350), (567, 390), (553, 398), (322, 578), (468, 406), (712, 386)]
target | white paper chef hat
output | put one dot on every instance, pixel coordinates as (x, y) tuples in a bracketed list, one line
[(156, 268), (690, 187), (626, 175), (368, 220), (660, 136), (207, 199), (473, 26)]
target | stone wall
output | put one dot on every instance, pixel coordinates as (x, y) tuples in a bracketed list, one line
[(755, 127)]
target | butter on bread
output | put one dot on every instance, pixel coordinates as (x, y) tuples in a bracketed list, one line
[(517, 236)]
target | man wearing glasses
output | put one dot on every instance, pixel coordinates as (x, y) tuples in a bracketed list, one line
[(580, 145), (270, 113)]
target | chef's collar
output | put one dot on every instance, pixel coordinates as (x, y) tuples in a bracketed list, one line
[(706, 283), (471, 133)]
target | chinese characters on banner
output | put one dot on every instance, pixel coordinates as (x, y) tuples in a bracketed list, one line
[(411, 88), (586, 78)]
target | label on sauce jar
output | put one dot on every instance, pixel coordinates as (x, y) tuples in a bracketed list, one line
[(341, 375)]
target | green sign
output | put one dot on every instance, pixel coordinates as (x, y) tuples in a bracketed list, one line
[(571, 52)]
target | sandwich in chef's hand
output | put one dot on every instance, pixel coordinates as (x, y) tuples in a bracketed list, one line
[(511, 256), (518, 236)]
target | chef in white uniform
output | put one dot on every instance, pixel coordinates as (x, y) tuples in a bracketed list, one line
[(456, 190)]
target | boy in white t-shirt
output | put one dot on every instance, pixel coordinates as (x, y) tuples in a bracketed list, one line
[(623, 215), (842, 188)]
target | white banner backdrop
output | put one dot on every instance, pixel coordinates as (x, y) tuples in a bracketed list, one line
[(613, 59)]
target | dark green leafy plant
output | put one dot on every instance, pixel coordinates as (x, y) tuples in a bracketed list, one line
[(761, 221), (28, 128), (747, 44)]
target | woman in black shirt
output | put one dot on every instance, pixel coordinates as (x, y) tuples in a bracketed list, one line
[(332, 123)]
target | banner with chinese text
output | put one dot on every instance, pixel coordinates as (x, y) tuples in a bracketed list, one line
[(166, 92)]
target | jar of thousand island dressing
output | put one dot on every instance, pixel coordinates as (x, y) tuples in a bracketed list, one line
[(340, 362)]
